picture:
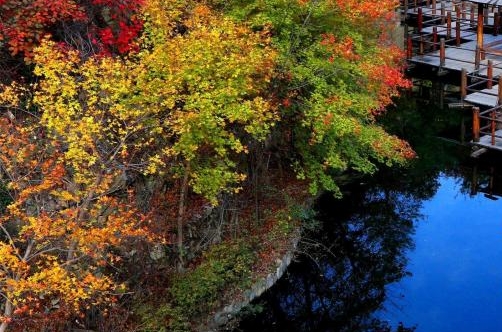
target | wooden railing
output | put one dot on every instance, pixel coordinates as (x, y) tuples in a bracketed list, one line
[(493, 121), (426, 42), (442, 23), (486, 122)]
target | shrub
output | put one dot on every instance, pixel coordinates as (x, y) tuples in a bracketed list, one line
[(223, 265)]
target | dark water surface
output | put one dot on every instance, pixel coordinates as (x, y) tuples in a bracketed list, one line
[(404, 249)]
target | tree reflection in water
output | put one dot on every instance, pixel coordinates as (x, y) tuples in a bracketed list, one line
[(339, 279), (360, 246)]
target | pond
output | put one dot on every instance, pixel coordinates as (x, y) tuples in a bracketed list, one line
[(415, 249), (456, 265)]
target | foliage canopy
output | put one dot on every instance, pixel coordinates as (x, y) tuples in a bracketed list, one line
[(179, 90)]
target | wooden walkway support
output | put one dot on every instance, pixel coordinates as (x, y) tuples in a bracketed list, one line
[(475, 124)]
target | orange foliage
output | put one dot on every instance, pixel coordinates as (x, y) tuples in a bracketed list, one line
[(360, 10), (339, 48), (385, 75), (60, 236)]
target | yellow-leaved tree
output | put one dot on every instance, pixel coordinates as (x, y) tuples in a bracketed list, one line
[(184, 107)]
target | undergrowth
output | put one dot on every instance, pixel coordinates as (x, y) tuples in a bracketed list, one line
[(199, 290)]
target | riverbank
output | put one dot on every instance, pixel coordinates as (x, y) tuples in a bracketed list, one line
[(275, 249), (242, 298), (231, 273)]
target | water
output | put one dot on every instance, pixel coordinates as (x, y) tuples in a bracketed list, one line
[(417, 249), (456, 266)]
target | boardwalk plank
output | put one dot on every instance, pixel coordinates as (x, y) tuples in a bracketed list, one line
[(485, 97), (486, 141)]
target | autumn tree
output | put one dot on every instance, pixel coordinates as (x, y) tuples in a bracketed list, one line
[(90, 26), (213, 76), (184, 107), (58, 232), (337, 70)]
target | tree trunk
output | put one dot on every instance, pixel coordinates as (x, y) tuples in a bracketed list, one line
[(9, 307), (7, 313), (81, 213), (181, 212)]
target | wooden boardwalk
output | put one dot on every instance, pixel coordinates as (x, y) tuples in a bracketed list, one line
[(465, 37), (462, 57)]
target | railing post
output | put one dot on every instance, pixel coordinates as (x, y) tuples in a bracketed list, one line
[(448, 25), (463, 10), (463, 84), (475, 124), (421, 45), (457, 32), (477, 58), (489, 74), (433, 7), (496, 23), (415, 6), (443, 12), (434, 38), (442, 52), (479, 37), (409, 48), (499, 95), (420, 20), (471, 17)]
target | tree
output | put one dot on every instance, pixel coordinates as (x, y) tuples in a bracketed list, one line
[(89, 123), (212, 76), (91, 26), (337, 70), (58, 233)]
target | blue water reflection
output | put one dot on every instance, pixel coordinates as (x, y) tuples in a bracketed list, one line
[(419, 245), (344, 264), (456, 266), (422, 248)]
